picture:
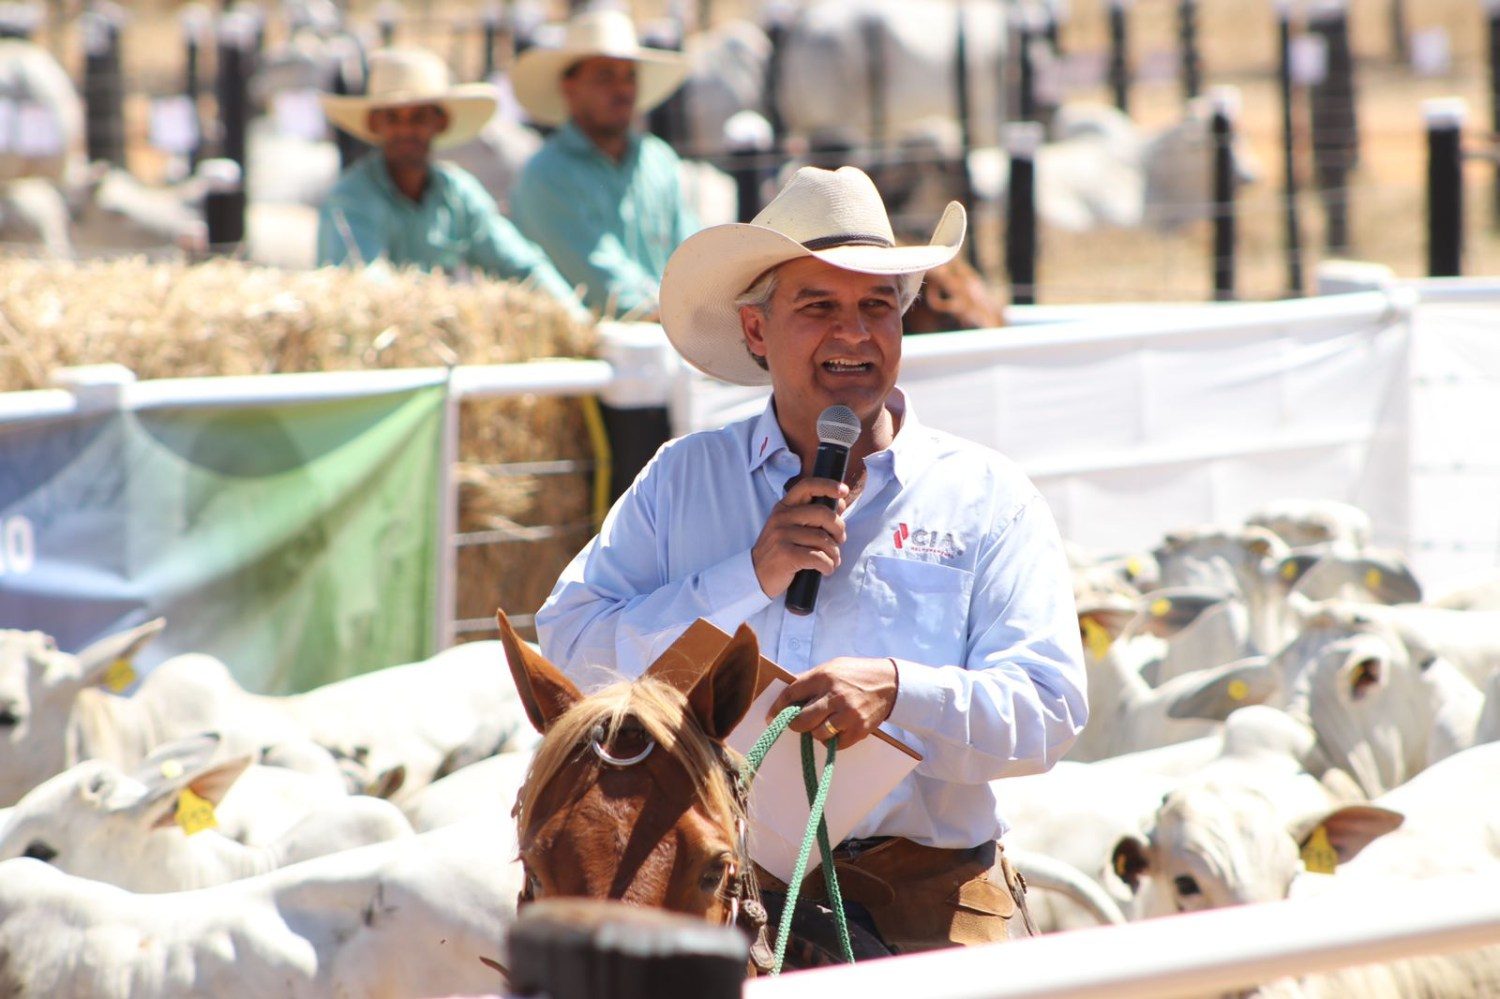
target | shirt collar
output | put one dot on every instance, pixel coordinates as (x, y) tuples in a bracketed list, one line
[(387, 186), (906, 457), (569, 136)]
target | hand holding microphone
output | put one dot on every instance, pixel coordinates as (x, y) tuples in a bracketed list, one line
[(802, 536)]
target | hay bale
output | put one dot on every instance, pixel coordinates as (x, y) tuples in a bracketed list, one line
[(224, 317)]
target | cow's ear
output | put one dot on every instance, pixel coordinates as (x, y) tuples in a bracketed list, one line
[(1099, 625), (545, 692), (1213, 694), (165, 800), (95, 661), (1164, 613), (724, 693), (1351, 828), (1131, 860)]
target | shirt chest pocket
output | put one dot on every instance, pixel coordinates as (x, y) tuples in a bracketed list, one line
[(914, 610)]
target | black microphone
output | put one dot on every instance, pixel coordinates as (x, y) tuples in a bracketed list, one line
[(838, 429)]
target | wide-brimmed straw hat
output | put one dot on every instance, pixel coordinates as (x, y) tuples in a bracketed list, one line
[(537, 74), (408, 77), (834, 215)]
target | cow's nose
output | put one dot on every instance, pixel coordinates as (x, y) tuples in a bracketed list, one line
[(9, 717)]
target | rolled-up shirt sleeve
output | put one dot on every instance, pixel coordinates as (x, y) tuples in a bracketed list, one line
[(614, 607), (1019, 701)]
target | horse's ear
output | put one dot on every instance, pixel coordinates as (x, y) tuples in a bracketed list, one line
[(725, 691), (545, 692)]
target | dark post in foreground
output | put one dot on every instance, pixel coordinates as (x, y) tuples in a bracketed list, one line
[(1022, 140), (1226, 102), (1296, 282), (1445, 187), (573, 948)]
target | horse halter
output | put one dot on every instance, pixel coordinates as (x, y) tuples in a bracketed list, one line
[(745, 907)]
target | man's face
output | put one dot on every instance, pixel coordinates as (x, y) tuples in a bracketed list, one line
[(828, 336), (600, 93), (406, 133)]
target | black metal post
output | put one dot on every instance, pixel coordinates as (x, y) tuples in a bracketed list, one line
[(1335, 133), (1226, 106), (1492, 14), (103, 84), (236, 36), (1022, 140), (1187, 37), (964, 108), (1052, 27), (668, 120), (386, 16), (1119, 59), (778, 23), (1445, 188), (194, 22), (872, 30), (224, 205), (1296, 282), (491, 32), (1399, 41), (1026, 92), (350, 148)]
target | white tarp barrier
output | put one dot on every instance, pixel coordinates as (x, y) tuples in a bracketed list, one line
[(1148, 422), (1455, 440)]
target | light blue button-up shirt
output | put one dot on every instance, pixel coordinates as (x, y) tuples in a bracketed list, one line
[(607, 226), (953, 566), (455, 225)]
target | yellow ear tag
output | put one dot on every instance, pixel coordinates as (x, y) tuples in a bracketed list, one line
[(1160, 607), (1289, 570), (1238, 691), (171, 769), (119, 675), (1096, 638), (194, 813), (1373, 579), (1319, 856), (1133, 567)]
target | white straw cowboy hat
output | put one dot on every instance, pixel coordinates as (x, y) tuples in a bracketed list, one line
[(834, 215), (407, 77), (537, 74)]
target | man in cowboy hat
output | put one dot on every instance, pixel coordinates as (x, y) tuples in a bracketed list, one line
[(946, 611), (601, 198), (400, 204)]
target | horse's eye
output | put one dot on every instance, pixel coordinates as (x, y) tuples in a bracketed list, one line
[(714, 874), (1187, 885), (37, 850)]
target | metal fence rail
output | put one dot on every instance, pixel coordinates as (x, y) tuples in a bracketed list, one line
[(1200, 954)]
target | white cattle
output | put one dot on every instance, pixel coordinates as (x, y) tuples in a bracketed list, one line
[(415, 916), (153, 832), (1216, 842), (1078, 812), (824, 87), (1307, 522), (1126, 713), (1487, 729), (486, 789), (45, 114), (1477, 592), (38, 685), (428, 717)]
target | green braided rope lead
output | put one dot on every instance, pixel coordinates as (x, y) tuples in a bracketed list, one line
[(817, 799)]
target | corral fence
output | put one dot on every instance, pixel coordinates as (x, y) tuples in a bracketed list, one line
[(1318, 195), (1218, 952), (1132, 420)]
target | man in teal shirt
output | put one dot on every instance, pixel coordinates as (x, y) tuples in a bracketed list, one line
[(601, 198), (398, 204)]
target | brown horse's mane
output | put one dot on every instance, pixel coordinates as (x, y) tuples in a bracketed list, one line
[(663, 712)]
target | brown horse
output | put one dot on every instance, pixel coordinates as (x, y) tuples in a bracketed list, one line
[(631, 794)]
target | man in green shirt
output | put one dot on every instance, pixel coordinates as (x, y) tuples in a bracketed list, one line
[(601, 198), (398, 204)]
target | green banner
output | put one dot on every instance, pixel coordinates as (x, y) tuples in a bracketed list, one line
[(296, 542)]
